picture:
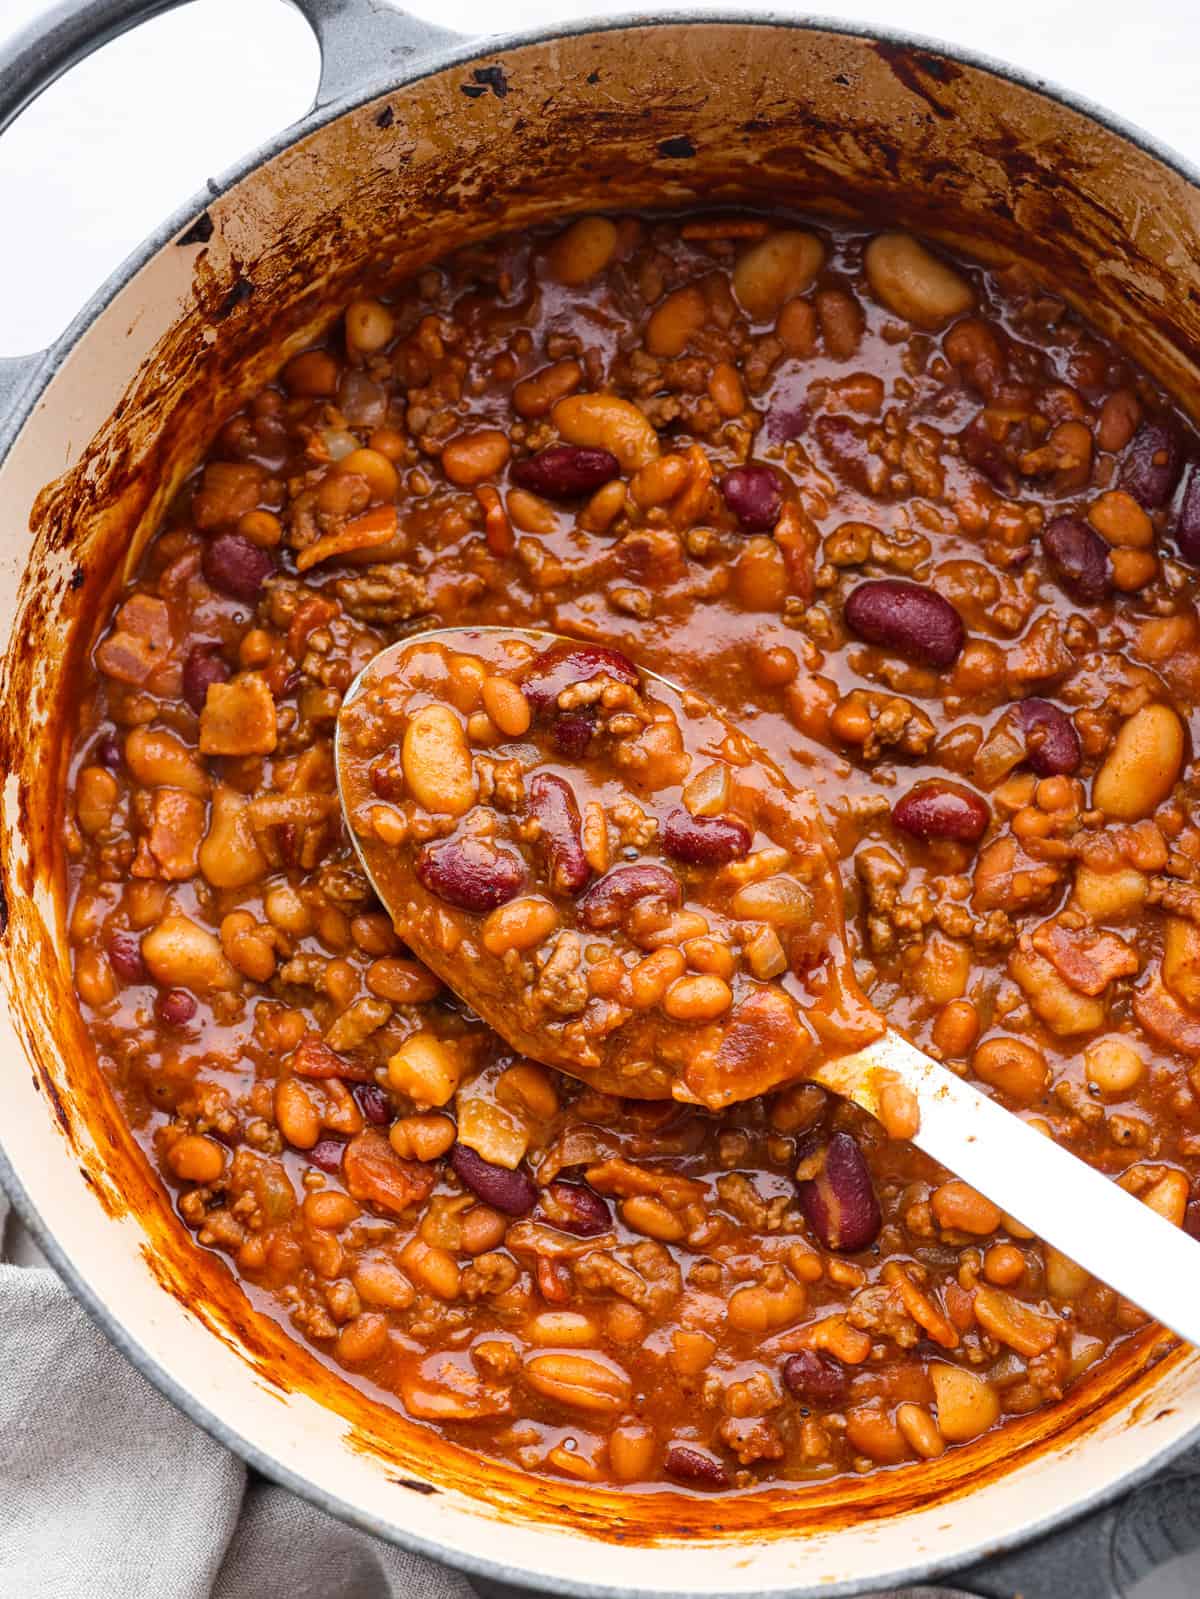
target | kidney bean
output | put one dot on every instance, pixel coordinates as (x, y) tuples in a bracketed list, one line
[(942, 810), (471, 873), (176, 1007), (705, 840), (574, 1208), (1051, 742), (752, 494), (606, 902), (566, 471), (202, 666), (234, 566), (1191, 1219), (913, 621), (375, 1105), (572, 733), (816, 1377), (512, 1192), (1152, 465), (1187, 523), (125, 957), (107, 752), (1078, 559), (839, 1203), (552, 801), (327, 1154), (694, 1465), (564, 665)]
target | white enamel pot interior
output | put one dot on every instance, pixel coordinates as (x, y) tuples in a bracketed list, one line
[(419, 146)]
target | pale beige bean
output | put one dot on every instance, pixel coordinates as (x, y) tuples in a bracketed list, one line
[(1143, 765), (606, 422), (180, 953), (584, 1382), (966, 1404), (776, 268), (582, 251), (437, 761), (913, 282)]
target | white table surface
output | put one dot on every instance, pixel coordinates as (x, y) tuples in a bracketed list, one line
[(128, 136)]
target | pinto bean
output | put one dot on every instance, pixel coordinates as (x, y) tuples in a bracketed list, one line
[(606, 903), (915, 622), (552, 802)]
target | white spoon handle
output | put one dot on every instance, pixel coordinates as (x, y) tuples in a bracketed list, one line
[(1056, 1195)]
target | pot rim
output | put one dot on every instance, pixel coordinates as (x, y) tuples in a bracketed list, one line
[(444, 51)]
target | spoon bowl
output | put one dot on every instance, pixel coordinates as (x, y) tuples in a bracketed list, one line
[(625, 887)]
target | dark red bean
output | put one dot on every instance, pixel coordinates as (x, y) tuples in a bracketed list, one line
[(607, 901), (513, 1192), (552, 801), (938, 809), (1078, 559), (201, 668), (327, 1154), (234, 566), (107, 752), (816, 1377), (986, 455), (1187, 523), (375, 1105), (125, 957), (1152, 465), (705, 840), (471, 873), (564, 665), (752, 493), (566, 471), (572, 733), (175, 1008), (694, 1465), (1051, 742), (839, 1202), (1191, 1219), (574, 1208), (913, 621)]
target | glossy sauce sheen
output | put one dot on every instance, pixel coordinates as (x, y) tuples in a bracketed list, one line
[(912, 528), (589, 880)]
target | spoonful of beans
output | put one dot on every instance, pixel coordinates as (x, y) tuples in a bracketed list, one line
[(626, 887)]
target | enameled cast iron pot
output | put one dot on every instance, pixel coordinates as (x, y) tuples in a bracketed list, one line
[(420, 141)]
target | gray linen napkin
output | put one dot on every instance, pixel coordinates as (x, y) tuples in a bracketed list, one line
[(108, 1492)]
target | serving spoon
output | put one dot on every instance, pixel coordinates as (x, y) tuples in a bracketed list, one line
[(818, 1028)]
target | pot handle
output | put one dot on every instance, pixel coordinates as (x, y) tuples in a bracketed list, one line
[(358, 40)]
